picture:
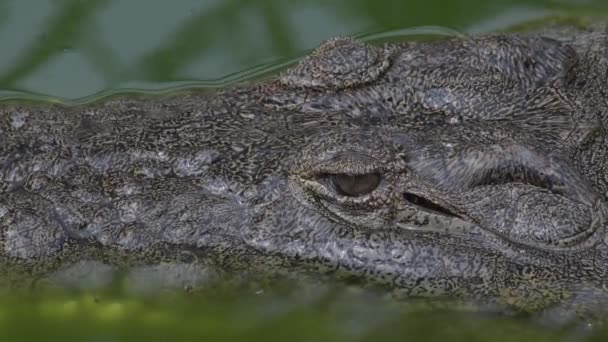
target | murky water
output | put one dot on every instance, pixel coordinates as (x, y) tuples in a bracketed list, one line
[(78, 50)]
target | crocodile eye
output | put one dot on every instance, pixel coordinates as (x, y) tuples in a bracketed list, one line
[(355, 185)]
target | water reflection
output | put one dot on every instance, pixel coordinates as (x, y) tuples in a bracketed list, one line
[(73, 48)]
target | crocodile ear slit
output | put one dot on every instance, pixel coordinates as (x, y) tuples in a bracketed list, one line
[(427, 205)]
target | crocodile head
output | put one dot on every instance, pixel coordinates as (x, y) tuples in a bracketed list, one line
[(465, 168), (470, 168)]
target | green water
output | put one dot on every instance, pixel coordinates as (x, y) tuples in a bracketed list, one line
[(321, 315), (77, 50)]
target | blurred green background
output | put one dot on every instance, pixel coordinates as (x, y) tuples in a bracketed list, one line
[(77, 48), (74, 49)]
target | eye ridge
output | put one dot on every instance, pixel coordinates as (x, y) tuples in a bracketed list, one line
[(521, 174), (355, 185)]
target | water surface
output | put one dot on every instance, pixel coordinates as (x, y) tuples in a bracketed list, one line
[(72, 49)]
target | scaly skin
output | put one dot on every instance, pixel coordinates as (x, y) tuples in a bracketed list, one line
[(480, 173)]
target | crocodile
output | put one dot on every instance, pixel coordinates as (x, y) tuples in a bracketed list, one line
[(467, 167)]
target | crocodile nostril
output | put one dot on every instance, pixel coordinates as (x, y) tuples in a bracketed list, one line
[(426, 204)]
